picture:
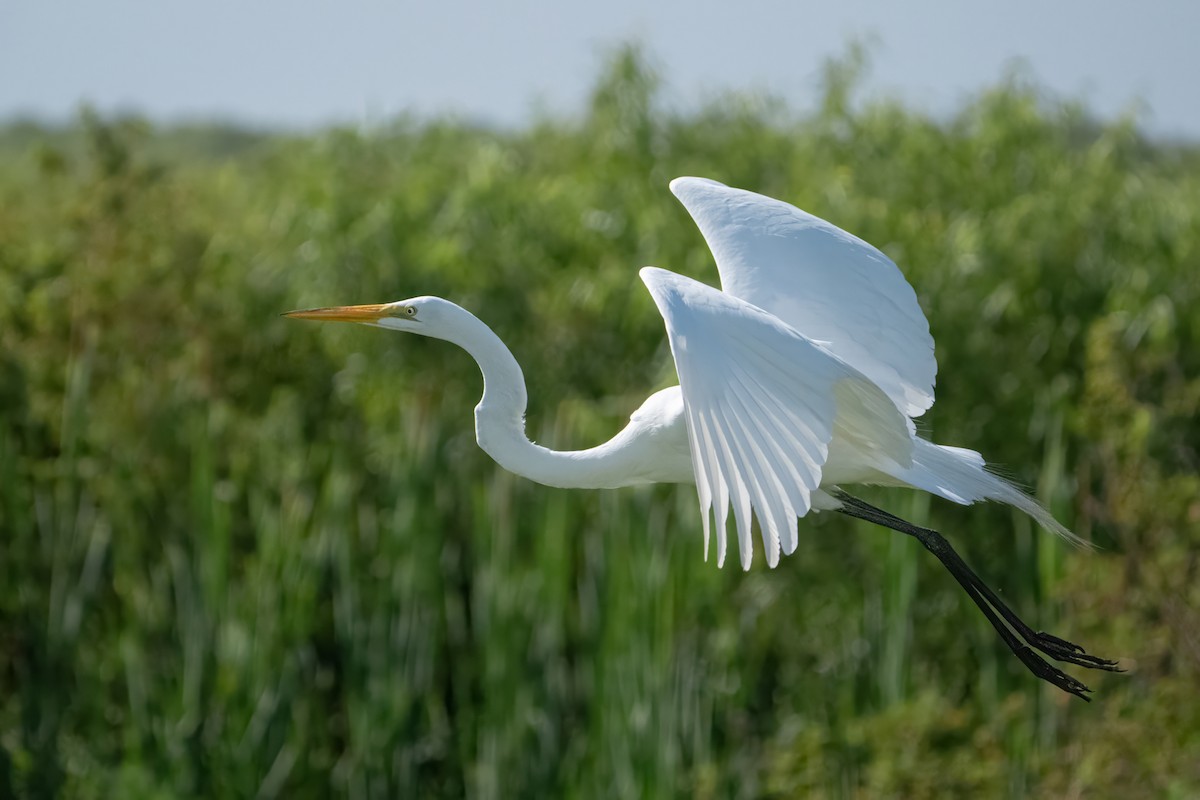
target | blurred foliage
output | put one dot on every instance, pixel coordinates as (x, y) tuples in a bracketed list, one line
[(245, 556)]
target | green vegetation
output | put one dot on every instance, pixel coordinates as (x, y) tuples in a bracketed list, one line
[(243, 556)]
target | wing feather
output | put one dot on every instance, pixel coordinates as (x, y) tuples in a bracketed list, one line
[(764, 491), (829, 285), (704, 450), (760, 403), (738, 493), (778, 473), (778, 439)]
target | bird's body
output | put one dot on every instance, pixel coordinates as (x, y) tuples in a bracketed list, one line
[(802, 375)]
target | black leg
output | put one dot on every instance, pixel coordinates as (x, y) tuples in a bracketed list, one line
[(991, 605)]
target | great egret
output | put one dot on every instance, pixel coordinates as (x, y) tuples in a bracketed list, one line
[(803, 374)]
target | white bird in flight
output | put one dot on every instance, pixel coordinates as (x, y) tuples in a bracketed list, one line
[(802, 374)]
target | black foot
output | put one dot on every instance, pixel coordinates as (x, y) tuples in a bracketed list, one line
[(991, 605)]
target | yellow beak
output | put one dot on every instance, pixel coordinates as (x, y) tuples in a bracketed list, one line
[(371, 313)]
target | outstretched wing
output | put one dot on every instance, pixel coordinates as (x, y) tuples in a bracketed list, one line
[(829, 285), (761, 402)]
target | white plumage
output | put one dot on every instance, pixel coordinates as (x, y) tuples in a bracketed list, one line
[(822, 281), (802, 374), (761, 401)]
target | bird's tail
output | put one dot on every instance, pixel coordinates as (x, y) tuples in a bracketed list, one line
[(961, 475)]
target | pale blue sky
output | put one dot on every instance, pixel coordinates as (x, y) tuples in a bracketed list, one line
[(302, 62)]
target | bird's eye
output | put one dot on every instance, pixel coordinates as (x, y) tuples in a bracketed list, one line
[(410, 311)]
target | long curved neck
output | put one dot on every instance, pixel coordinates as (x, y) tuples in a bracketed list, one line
[(500, 422)]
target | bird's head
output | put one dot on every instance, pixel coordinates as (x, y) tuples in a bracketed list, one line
[(428, 316)]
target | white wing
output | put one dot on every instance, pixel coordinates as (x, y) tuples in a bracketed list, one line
[(829, 285), (761, 403)]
